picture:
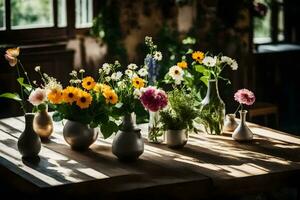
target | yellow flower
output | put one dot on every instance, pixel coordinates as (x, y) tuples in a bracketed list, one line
[(88, 83), (198, 55), (84, 99), (182, 64), (110, 96), (55, 96), (99, 87), (138, 83), (11, 56), (70, 94)]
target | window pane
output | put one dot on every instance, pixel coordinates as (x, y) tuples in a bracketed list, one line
[(280, 24), (262, 26), (31, 14), (2, 15), (84, 13), (62, 19)]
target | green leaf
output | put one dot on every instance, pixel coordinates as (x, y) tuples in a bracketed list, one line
[(25, 85), (107, 129), (57, 117), (200, 68), (205, 79), (190, 51), (13, 96)]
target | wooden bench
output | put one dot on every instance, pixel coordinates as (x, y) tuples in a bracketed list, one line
[(265, 110)]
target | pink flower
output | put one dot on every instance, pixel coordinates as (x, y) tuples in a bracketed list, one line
[(244, 96), (37, 96), (11, 56), (154, 99)]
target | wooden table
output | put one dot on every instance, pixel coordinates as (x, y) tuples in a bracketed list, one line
[(208, 166)]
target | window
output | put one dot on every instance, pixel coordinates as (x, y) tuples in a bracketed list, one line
[(269, 25), (62, 17), (84, 13), (43, 20), (27, 14), (2, 15)]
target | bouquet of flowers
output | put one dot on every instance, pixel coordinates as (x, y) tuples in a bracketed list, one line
[(85, 100)]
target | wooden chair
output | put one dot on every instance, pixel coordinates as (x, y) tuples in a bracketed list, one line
[(266, 110)]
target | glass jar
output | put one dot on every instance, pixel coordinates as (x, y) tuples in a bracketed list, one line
[(212, 109), (155, 131)]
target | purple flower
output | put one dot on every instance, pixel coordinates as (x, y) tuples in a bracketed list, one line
[(244, 96), (153, 68), (154, 99)]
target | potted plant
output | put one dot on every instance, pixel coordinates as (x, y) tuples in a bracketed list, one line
[(177, 118), (86, 104)]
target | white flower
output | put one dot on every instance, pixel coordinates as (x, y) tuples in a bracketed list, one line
[(229, 61), (52, 84), (46, 75), (106, 68), (100, 70), (209, 61), (73, 73), (107, 78), (129, 73), (121, 84), (71, 81), (37, 96), (158, 55), (143, 72), (176, 73), (137, 93), (77, 81), (34, 82), (132, 66), (116, 76), (234, 65), (81, 71), (37, 68)]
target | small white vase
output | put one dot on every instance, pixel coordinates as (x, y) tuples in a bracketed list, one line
[(242, 132), (230, 123), (176, 138)]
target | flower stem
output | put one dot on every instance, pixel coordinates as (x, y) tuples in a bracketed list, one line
[(28, 80), (237, 109), (22, 94)]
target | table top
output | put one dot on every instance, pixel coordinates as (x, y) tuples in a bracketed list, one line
[(209, 165)]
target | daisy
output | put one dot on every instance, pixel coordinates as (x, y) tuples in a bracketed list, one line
[(132, 66), (176, 73), (143, 72), (209, 61), (158, 55)]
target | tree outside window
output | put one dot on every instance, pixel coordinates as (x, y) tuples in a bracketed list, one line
[(2, 15), (31, 14)]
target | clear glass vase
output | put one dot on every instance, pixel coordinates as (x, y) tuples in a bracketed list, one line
[(212, 109), (155, 131)]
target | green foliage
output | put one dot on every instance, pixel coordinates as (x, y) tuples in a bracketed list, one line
[(13, 96), (107, 27), (181, 111)]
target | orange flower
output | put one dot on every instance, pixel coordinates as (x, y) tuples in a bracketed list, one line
[(198, 56), (70, 94), (138, 83), (84, 99), (182, 64), (88, 83), (55, 96), (12, 56), (110, 96), (99, 87)]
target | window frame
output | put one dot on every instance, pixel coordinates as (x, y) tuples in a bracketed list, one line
[(47, 34)]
